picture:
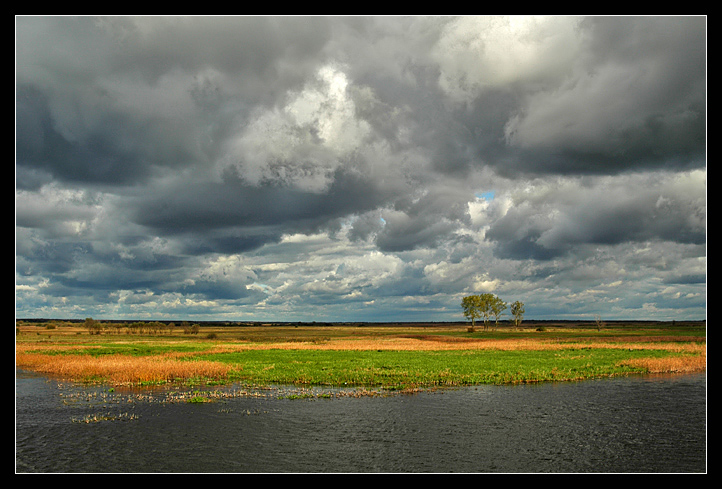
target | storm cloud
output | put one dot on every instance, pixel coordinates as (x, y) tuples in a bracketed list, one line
[(360, 168)]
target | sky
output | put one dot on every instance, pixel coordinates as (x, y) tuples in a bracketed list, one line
[(360, 168)]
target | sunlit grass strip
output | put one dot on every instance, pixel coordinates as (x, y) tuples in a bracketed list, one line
[(397, 343), (121, 368), (450, 343), (50, 347)]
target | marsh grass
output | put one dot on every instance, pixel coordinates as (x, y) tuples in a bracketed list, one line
[(389, 357)]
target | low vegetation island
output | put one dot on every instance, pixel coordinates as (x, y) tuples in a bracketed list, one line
[(389, 356)]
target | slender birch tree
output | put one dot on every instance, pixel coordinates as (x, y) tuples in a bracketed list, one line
[(517, 310), (496, 308)]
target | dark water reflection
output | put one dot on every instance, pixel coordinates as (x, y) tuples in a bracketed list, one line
[(633, 425)]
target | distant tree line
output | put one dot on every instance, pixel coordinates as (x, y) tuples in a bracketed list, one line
[(488, 306), (139, 327)]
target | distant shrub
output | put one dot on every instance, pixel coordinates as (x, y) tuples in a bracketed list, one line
[(93, 326), (188, 329)]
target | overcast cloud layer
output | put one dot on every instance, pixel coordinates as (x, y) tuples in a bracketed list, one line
[(360, 169)]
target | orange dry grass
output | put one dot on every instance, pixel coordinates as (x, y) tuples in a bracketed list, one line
[(120, 368), (696, 363)]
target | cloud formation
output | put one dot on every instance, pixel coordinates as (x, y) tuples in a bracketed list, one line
[(360, 168)]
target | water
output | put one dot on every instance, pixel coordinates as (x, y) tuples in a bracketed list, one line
[(645, 424)]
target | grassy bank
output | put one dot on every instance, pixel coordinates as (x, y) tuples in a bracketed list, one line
[(390, 356)]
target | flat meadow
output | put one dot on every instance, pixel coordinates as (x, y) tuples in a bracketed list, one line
[(394, 357)]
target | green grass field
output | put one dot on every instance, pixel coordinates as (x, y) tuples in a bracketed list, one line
[(426, 368)]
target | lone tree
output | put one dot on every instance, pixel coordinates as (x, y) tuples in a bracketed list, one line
[(517, 310)]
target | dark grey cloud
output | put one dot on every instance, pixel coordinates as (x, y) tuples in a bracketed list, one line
[(112, 100), (232, 216), (424, 221), (636, 99), (287, 166)]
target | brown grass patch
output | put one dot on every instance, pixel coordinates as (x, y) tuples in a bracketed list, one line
[(120, 368), (687, 363)]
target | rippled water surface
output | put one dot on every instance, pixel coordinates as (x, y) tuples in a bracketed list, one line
[(635, 424)]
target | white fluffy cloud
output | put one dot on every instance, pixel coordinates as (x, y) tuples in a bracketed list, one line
[(302, 143), (480, 53)]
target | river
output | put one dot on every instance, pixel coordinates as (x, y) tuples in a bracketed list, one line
[(638, 424)]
